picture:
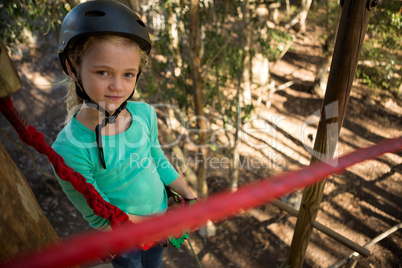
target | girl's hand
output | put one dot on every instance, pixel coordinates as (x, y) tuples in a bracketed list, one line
[(180, 187), (177, 240), (190, 202)]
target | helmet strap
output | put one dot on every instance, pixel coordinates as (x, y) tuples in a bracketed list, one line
[(111, 119), (79, 90)]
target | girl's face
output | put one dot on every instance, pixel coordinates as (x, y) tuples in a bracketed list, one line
[(109, 71)]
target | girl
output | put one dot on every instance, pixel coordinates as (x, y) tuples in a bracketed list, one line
[(111, 141)]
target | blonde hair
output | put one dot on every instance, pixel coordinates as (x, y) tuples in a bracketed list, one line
[(73, 102)]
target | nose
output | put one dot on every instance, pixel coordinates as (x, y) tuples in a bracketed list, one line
[(116, 84)]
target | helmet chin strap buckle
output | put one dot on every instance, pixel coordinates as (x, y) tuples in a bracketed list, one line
[(112, 119)]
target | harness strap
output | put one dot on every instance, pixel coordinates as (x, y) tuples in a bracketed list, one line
[(79, 89)]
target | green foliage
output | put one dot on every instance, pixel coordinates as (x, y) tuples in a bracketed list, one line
[(273, 43), (20, 18), (383, 49)]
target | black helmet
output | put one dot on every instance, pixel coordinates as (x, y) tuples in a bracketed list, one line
[(98, 18)]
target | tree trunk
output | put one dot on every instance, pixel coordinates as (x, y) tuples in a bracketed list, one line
[(209, 229), (234, 167), (287, 7), (321, 76), (352, 28), (306, 4), (195, 65), (23, 226), (172, 28), (247, 72), (133, 4), (182, 165), (274, 11)]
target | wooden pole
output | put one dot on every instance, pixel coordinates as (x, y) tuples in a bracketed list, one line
[(352, 28), (10, 81), (23, 226)]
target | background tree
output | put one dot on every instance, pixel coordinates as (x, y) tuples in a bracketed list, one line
[(299, 22), (331, 21), (195, 66)]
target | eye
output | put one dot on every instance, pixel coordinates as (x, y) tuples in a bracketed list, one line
[(129, 75), (102, 73)]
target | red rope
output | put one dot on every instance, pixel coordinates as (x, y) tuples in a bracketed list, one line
[(90, 246), (30, 136)]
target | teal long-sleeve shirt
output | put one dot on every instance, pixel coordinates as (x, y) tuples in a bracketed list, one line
[(137, 169)]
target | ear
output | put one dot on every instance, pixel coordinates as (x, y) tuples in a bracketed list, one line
[(70, 72)]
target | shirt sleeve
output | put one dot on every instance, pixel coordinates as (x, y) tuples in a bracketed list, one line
[(78, 160), (165, 169)]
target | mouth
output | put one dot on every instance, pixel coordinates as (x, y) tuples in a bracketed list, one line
[(113, 98)]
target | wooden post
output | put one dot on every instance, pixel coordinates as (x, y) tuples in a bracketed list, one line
[(23, 226), (10, 81), (352, 28)]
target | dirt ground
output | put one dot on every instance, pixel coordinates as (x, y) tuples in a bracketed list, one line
[(360, 204)]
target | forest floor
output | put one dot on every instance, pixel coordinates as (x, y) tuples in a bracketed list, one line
[(360, 204)]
